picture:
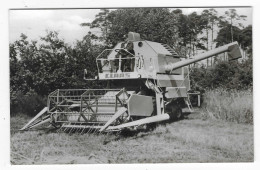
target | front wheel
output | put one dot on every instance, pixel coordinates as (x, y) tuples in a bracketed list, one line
[(174, 111)]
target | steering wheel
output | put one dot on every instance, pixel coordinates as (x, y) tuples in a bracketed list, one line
[(123, 52), (118, 51)]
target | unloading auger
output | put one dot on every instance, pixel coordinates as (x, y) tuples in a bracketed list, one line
[(148, 83)]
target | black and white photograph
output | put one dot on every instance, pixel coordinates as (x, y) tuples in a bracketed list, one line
[(131, 85)]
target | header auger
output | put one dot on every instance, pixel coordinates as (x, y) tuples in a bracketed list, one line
[(148, 83)]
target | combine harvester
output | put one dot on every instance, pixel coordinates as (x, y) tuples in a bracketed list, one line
[(148, 82)]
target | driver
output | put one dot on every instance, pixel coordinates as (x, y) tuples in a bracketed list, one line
[(123, 54), (127, 64)]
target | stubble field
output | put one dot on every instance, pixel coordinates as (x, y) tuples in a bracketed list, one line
[(193, 139)]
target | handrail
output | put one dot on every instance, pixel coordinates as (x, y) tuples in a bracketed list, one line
[(116, 50), (103, 52), (55, 91), (101, 58)]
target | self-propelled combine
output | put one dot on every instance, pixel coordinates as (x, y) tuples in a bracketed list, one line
[(148, 82)]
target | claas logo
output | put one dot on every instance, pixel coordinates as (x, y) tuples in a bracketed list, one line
[(118, 75)]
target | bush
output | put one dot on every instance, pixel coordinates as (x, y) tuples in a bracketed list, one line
[(226, 75), (234, 106), (30, 104)]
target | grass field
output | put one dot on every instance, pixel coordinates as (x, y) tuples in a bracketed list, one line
[(192, 139)]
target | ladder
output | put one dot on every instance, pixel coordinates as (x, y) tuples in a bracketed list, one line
[(188, 103)]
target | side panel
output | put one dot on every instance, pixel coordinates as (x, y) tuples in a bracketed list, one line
[(139, 105), (173, 92), (145, 63), (165, 80)]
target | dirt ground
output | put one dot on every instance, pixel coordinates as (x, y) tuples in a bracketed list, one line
[(192, 139)]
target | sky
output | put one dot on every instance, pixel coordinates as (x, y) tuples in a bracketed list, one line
[(34, 23)]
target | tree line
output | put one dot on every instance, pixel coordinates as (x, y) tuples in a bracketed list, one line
[(38, 68)]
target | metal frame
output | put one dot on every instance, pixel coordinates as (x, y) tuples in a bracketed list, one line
[(88, 102), (99, 59)]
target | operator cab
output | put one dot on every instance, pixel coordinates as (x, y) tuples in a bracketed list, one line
[(135, 58), (119, 59)]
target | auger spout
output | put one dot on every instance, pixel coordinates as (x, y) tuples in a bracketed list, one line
[(232, 49)]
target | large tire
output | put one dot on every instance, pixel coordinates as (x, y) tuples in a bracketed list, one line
[(175, 112)]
